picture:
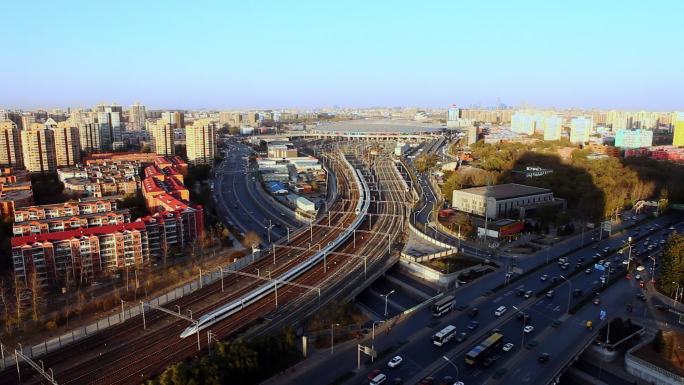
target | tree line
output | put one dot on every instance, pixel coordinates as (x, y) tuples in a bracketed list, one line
[(236, 362)]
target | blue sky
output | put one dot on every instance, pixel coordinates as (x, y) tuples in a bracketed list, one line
[(261, 54)]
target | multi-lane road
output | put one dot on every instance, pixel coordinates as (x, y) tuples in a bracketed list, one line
[(239, 202)]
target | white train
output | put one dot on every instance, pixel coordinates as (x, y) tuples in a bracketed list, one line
[(262, 291)]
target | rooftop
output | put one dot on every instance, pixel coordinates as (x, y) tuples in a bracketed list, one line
[(506, 191)]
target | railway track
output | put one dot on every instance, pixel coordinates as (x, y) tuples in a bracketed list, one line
[(125, 354)]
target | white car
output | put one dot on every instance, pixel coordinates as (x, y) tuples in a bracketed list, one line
[(544, 277), (528, 329), (500, 310), (394, 362), (508, 347)]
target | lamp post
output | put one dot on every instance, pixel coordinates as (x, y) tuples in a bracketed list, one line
[(373, 337), (332, 336), (452, 364), (522, 342), (629, 253), (569, 292), (674, 300), (386, 296)]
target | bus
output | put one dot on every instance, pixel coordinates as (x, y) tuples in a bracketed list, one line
[(484, 348), (443, 306), (444, 335)]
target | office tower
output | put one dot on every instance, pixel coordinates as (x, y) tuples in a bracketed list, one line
[(38, 149), (552, 126), (678, 124), (67, 144), (580, 129), (200, 141), (109, 120), (136, 118), (625, 138), (10, 145), (174, 118), (523, 123), (162, 138)]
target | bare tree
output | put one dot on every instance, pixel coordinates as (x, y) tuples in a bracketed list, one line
[(7, 317), (251, 239), (36, 294)]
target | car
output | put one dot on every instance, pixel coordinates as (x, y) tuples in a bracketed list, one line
[(507, 347), (642, 284), (473, 325), (628, 277), (529, 293), (578, 265), (462, 336), (597, 301), (473, 312), (427, 381), (580, 259), (641, 296), (500, 311), (549, 294), (587, 271), (508, 275), (497, 330), (373, 373), (661, 307), (564, 266), (528, 329), (447, 380), (544, 277), (521, 292), (637, 277), (394, 362), (640, 268), (544, 357), (554, 279), (577, 292)]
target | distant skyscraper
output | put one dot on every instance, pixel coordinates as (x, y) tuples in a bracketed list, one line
[(175, 118), (552, 126), (162, 138), (136, 118), (678, 124), (523, 123), (253, 118), (10, 145), (38, 149), (200, 141), (67, 147), (109, 119), (580, 129), (89, 137)]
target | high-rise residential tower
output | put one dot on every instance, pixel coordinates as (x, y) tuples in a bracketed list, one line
[(10, 145), (552, 126), (136, 118), (580, 129), (162, 138), (678, 124), (109, 119), (200, 141), (67, 144), (38, 149)]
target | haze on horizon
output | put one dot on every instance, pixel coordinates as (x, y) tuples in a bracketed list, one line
[(306, 54)]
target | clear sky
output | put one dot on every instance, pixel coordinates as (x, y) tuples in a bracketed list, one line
[(269, 54)]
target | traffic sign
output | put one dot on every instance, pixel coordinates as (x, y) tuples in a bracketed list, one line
[(602, 315)]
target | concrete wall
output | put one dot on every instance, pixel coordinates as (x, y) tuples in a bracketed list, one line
[(649, 372)]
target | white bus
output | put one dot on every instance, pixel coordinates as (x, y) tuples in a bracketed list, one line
[(443, 306), (444, 335)]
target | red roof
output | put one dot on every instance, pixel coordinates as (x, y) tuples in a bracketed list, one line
[(62, 235)]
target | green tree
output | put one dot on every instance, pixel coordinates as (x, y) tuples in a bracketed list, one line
[(672, 265)]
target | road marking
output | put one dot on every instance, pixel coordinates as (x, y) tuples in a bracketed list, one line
[(557, 308)]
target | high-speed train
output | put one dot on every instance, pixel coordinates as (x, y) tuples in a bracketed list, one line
[(264, 290)]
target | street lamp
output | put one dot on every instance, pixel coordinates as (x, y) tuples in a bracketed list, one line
[(386, 296), (332, 336), (674, 300), (452, 364), (373, 337), (569, 292), (522, 342)]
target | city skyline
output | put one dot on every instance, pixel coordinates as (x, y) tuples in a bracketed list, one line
[(310, 55)]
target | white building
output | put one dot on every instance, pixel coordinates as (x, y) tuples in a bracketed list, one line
[(501, 201), (552, 126), (580, 129)]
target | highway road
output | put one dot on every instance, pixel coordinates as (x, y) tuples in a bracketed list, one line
[(412, 338), (239, 203)]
